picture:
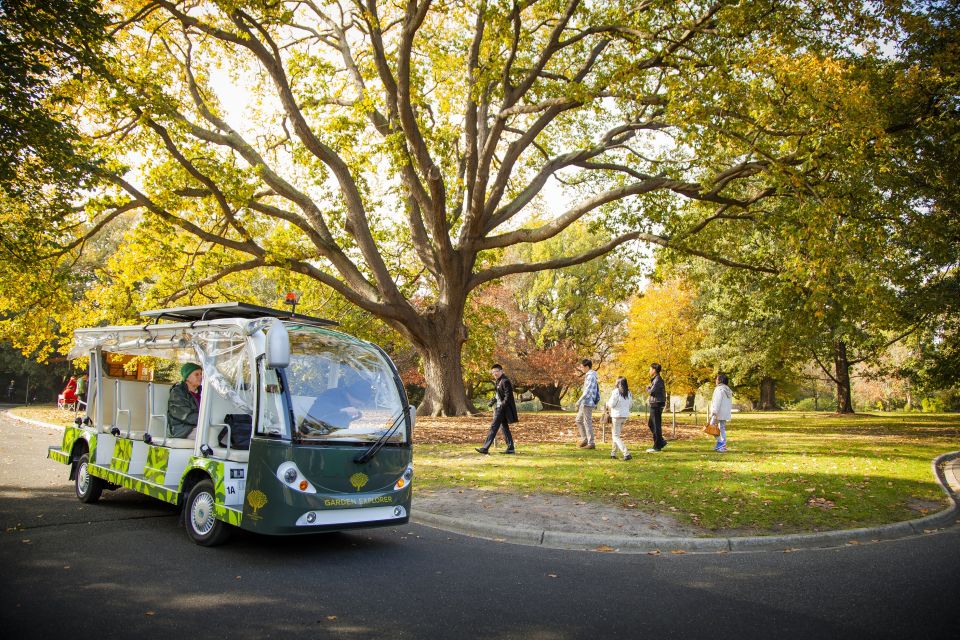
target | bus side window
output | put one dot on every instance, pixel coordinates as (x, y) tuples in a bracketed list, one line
[(271, 404)]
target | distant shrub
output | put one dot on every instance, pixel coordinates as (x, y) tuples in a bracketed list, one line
[(530, 405), (814, 404)]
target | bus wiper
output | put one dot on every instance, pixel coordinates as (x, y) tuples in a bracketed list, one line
[(382, 440)]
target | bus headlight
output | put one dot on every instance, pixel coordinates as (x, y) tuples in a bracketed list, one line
[(293, 478), (404, 480)]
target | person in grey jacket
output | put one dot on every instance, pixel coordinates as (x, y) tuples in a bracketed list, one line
[(183, 407), (657, 401)]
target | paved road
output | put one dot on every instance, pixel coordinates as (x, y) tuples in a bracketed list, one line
[(123, 568)]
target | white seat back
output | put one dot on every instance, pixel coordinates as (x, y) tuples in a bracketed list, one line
[(158, 396)]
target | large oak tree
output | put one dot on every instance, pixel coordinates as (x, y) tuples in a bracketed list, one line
[(393, 151)]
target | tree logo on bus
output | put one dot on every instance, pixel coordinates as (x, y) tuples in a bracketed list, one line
[(358, 480), (257, 500)]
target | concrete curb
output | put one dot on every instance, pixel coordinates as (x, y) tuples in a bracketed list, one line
[(10, 414), (946, 469)]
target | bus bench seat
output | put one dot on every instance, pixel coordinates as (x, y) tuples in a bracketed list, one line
[(176, 443), (236, 455)]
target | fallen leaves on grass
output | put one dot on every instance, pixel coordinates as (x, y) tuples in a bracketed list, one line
[(823, 503), (533, 427)]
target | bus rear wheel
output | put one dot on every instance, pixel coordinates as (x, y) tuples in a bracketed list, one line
[(201, 518), (88, 487)]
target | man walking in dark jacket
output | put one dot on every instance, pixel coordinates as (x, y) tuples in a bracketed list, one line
[(505, 412), (657, 401)]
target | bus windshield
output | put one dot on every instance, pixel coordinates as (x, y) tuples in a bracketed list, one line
[(341, 390)]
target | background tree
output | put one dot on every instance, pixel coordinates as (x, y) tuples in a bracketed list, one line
[(662, 327), (752, 343), (45, 48), (558, 317), (867, 253)]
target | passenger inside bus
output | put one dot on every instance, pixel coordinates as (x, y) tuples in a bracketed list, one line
[(336, 408), (183, 408)]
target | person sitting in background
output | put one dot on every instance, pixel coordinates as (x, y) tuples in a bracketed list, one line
[(70, 391), (183, 407)]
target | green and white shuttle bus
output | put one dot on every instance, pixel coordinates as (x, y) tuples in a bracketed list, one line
[(300, 428)]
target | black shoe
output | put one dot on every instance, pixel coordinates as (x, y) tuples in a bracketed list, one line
[(509, 451), (662, 445), (481, 450), (627, 457)]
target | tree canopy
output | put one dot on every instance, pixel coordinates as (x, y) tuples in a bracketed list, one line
[(394, 152)]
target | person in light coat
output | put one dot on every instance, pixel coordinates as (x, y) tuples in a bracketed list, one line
[(721, 408), (619, 405)]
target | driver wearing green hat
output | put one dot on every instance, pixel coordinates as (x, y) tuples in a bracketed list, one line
[(183, 408)]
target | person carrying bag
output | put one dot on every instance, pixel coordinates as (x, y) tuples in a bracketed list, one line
[(721, 409)]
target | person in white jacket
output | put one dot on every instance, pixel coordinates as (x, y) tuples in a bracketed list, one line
[(720, 410), (619, 404)]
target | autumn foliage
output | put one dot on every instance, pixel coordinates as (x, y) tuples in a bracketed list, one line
[(662, 327)]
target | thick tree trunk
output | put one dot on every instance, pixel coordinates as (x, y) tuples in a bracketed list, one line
[(842, 376), (439, 339), (768, 394), (549, 396), (445, 392)]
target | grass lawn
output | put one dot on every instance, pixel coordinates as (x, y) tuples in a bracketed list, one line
[(784, 472)]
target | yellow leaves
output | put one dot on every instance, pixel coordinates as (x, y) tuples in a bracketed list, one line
[(662, 327)]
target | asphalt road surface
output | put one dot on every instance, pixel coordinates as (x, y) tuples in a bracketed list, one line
[(124, 568)]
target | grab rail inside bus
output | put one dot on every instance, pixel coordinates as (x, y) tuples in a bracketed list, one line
[(118, 411), (229, 429), (151, 416)]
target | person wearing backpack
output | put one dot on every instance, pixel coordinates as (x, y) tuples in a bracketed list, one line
[(589, 398)]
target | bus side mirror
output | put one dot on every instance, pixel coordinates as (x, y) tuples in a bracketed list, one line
[(278, 346)]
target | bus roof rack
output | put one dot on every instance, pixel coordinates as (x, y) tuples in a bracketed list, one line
[(223, 310)]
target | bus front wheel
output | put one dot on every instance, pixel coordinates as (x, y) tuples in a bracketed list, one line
[(88, 487), (201, 519)]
